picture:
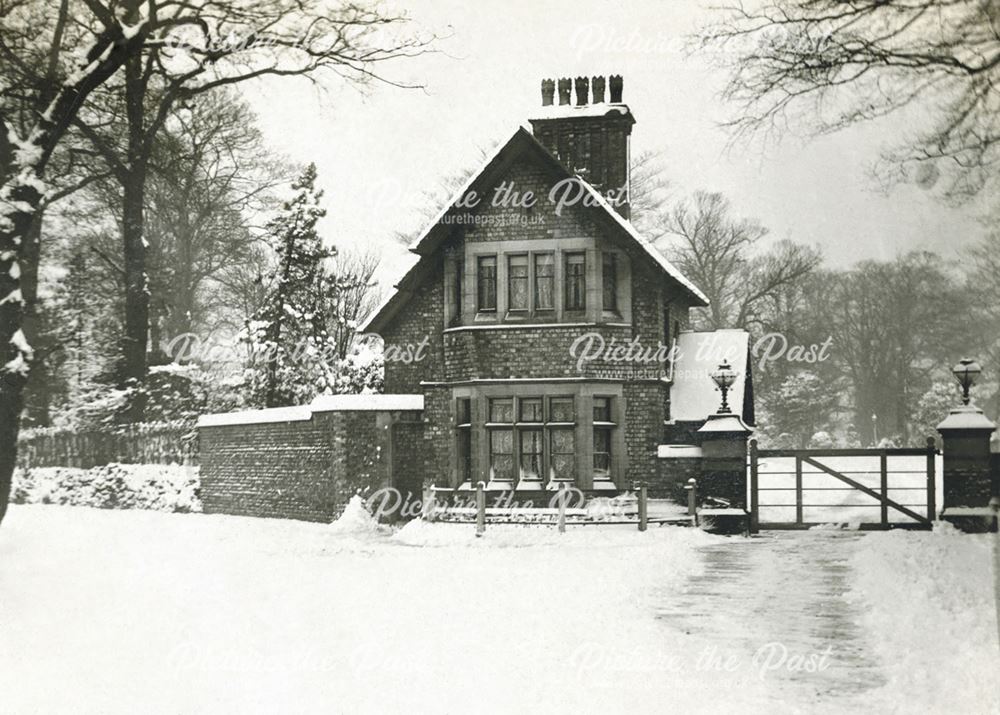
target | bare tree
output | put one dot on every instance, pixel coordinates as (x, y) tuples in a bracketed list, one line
[(222, 44), (828, 64), (718, 252), (54, 56)]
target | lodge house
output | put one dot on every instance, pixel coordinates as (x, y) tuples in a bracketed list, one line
[(556, 344)]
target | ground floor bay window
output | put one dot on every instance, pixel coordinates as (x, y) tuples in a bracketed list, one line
[(538, 437)]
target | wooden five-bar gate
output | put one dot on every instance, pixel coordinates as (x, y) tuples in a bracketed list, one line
[(863, 488)]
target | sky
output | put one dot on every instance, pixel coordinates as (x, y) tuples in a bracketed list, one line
[(378, 148)]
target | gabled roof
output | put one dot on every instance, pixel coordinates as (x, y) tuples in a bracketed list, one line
[(484, 178)]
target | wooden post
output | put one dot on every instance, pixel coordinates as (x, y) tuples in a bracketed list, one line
[(884, 483), (563, 498), (995, 504), (642, 508), (932, 479), (754, 499), (798, 490), (430, 504), (480, 508), (692, 490)]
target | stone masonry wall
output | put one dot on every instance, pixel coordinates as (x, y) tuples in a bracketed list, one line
[(296, 470)]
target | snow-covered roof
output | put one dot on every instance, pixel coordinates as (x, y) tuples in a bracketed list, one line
[(428, 238), (693, 394), (644, 242), (380, 403), (323, 403), (253, 417)]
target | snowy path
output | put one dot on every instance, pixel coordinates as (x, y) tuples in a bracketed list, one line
[(777, 604)]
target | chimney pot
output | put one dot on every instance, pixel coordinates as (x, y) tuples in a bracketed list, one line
[(615, 88), (565, 90), (582, 90), (597, 84), (548, 92)]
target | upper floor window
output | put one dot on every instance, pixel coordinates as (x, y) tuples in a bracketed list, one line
[(517, 282), (576, 281), (544, 280), (609, 277), (487, 281)]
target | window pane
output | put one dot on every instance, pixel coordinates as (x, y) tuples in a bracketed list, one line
[(576, 281), (463, 410), (517, 279), (531, 454), (502, 454), (465, 454), (563, 441), (544, 278), (457, 290), (609, 273), (502, 410), (602, 453), (602, 409), (487, 282), (531, 409), (563, 458), (561, 409)]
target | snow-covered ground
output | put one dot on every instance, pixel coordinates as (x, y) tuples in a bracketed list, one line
[(135, 611)]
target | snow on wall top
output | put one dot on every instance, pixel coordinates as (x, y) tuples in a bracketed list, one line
[(693, 394), (253, 417), (323, 403), (381, 403)]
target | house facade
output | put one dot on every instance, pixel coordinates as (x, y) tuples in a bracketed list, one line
[(547, 319), (537, 340)]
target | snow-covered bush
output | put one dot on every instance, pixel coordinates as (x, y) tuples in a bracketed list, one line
[(159, 487), (821, 440)]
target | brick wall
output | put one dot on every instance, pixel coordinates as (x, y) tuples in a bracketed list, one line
[(301, 469)]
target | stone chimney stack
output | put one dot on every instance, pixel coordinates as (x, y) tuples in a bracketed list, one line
[(590, 137)]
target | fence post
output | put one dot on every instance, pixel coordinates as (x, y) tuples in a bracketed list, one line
[(799, 512), (995, 504), (642, 508), (480, 508), (754, 498), (884, 484), (563, 498), (931, 479)]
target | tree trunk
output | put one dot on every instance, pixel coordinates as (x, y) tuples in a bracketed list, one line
[(136, 335), (14, 362)]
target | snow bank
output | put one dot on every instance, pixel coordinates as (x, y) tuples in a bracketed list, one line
[(928, 602), (356, 519), (160, 487)]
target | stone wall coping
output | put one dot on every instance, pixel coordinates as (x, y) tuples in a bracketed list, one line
[(371, 402), (253, 417), (323, 403), (678, 451), (967, 417)]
